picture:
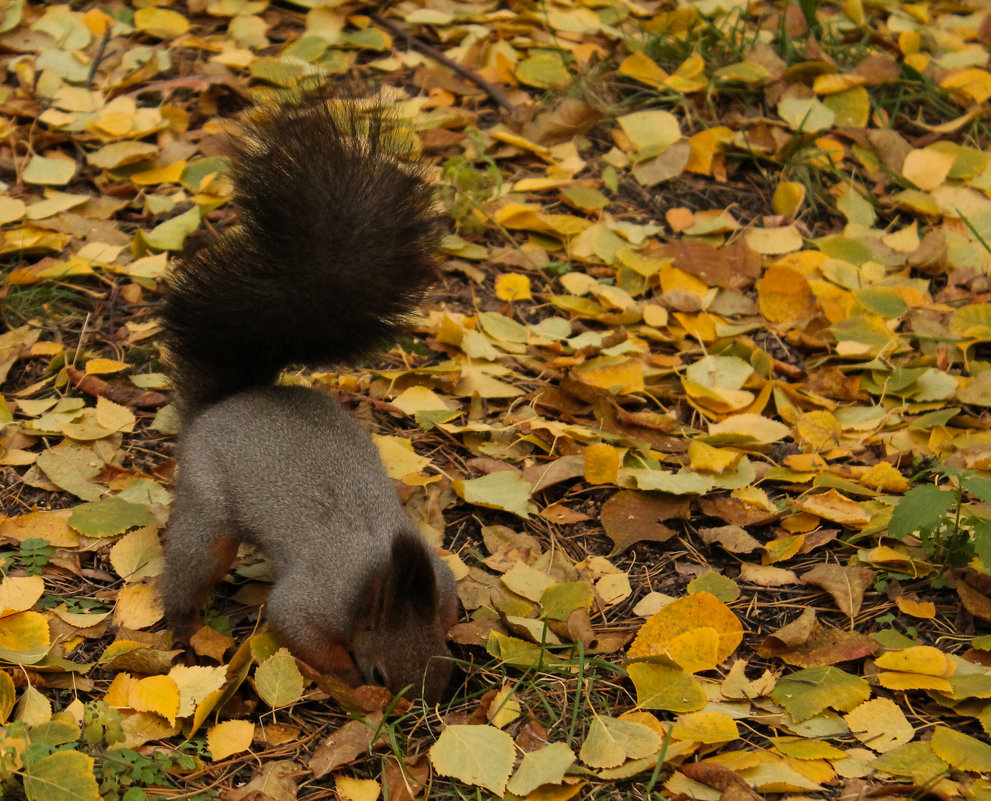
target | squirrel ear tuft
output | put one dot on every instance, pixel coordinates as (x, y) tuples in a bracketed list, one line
[(413, 582)]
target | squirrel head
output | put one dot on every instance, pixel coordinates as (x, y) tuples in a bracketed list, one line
[(400, 632)]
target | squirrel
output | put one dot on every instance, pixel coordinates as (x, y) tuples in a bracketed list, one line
[(330, 254)]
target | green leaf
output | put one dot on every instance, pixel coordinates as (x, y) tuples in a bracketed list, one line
[(171, 234), (558, 601), (981, 532), (278, 680), (62, 776), (919, 509), (808, 692), (544, 70), (109, 517), (661, 684), (979, 487), (41, 170), (504, 490)]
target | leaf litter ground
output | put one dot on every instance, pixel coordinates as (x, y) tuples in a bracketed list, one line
[(715, 299)]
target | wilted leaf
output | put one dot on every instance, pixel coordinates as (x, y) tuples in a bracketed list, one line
[(629, 517)]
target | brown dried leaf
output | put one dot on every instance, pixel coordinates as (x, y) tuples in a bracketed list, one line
[(845, 584), (629, 517)]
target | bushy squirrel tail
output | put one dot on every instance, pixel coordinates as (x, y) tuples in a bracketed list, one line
[(330, 254)]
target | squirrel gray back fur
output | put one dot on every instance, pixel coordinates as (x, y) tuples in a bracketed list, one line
[(307, 465)]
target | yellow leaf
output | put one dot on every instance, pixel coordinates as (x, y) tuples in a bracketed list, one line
[(903, 682), (119, 692), (114, 417), (788, 198), (695, 650), (138, 606), (704, 148), (707, 459), (161, 23), (774, 241), (832, 83), (513, 286), (673, 279), (701, 610), (690, 75), (476, 755), (750, 428), (169, 174), (11, 209), (611, 741), (352, 789), (230, 737), (831, 505), (504, 708), (20, 593), (889, 559), (918, 659), (885, 477), (158, 694), (138, 554), (904, 241), (419, 399), (399, 458), (642, 68), (651, 132), (927, 168), (519, 216), (921, 609), (601, 463), (818, 430), (972, 82), (705, 727), (102, 366), (960, 750), (662, 686), (783, 294), (621, 377), (880, 725), (278, 680), (852, 107), (24, 637), (700, 326)]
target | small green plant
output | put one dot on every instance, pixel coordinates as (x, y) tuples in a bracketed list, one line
[(33, 555), (952, 529), (60, 748), (123, 774), (467, 186)]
